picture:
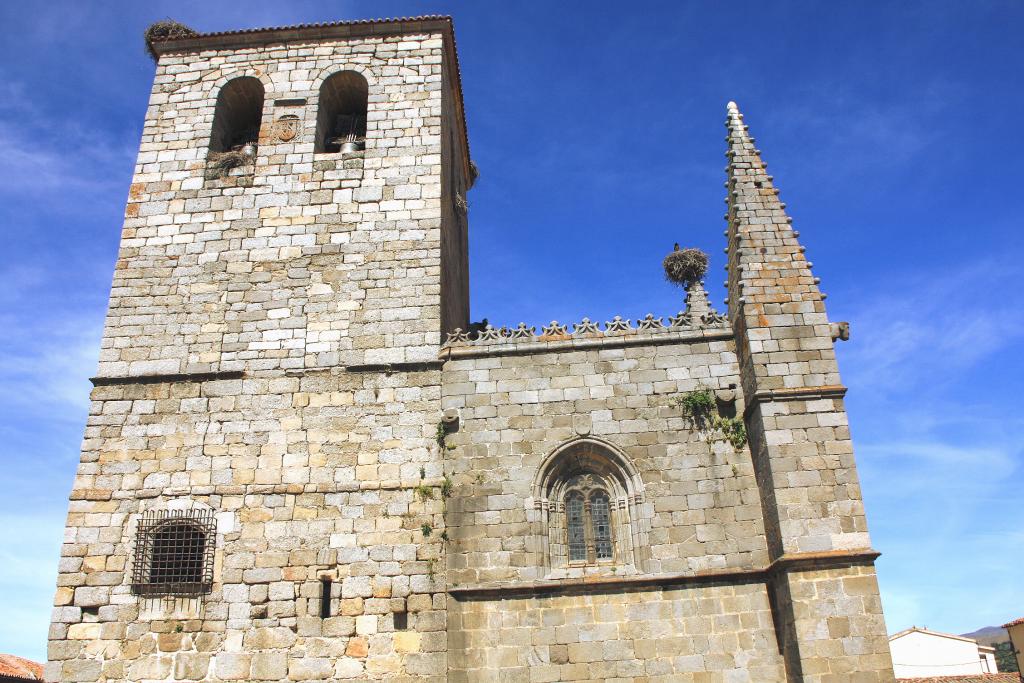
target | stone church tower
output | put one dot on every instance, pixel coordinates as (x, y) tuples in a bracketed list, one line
[(300, 466)]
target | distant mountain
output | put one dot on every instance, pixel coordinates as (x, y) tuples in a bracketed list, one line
[(989, 635)]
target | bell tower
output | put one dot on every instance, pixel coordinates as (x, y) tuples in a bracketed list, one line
[(294, 250), (294, 213)]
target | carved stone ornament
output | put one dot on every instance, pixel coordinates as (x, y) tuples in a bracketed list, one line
[(682, 319), (457, 336), (523, 332), (586, 327), (491, 334), (585, 482), (650, 324), (617, 324), (713, 317), (286, 127), (553, 330)]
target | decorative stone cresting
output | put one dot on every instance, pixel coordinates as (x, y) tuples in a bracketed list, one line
[(586, 329)]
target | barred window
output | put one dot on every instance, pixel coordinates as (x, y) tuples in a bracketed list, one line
[(174, 553)]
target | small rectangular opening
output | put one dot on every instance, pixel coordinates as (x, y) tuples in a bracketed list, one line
[(401, 620), (292, 102), (325, 598)]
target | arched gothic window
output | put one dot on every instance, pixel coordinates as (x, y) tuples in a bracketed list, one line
[(591, 510), (238, 115), (588, 522), (341, 117), (174, 553)]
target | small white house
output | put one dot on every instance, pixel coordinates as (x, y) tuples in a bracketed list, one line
[(920, 653)]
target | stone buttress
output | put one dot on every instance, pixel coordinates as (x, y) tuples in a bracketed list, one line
[(824, 590)]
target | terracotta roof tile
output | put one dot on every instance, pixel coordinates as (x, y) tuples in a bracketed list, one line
[(975, 678), (19, 667), (1015, 622), (299, 27)]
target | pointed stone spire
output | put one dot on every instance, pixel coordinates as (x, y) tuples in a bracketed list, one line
[(770, 282), (797, 430)]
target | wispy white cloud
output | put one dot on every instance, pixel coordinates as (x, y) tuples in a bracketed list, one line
[(938, 452), (50, 365), (942, 501), (29, 555), (46, 150), (853, 133), (82, 162), (927, 327)]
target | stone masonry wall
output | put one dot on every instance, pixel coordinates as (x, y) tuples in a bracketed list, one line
[(700, 499), (309, 476), (672, 635), (702, 507)]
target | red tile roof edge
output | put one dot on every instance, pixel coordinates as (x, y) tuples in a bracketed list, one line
[(971, 678), (304, 27), (19, 667), (1015, 622)]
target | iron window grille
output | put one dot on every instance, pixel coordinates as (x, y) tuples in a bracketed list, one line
[(174, 553)]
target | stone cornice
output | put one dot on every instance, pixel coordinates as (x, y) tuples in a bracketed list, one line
[(174, 378), (170, 378), (793, 394), (612, 584), (97, 494)]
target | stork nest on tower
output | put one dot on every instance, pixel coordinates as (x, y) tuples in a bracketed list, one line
[(165, 29), (219, 164), (685, 266)]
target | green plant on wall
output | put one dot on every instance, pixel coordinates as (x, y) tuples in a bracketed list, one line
[(700, 408), (441, 437)]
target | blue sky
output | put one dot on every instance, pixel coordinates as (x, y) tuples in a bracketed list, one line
[(890, 128)]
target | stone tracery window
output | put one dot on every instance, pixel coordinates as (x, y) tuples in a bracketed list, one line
[(591, 510), (600, 522), (588, 524), (575, 526)]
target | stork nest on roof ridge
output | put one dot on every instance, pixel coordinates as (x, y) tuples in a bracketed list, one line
[(165, 29), (685, 266)]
